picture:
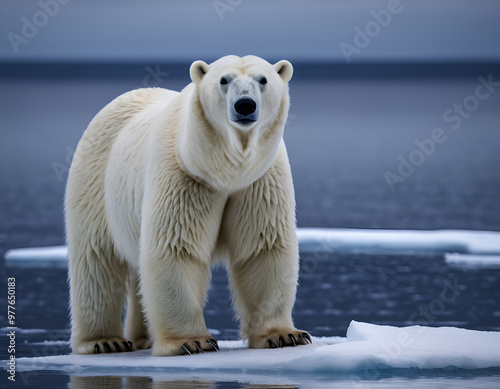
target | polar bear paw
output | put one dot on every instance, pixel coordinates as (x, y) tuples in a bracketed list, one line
[(115, 344), (279, 338), (142, 343), (185, 346)]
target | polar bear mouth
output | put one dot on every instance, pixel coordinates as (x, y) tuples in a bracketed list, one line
[(245, 121)]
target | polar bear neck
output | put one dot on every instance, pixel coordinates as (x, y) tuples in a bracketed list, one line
[(228, 159)]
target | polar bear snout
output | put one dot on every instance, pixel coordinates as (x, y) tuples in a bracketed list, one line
[(245, 111), (245, 106)]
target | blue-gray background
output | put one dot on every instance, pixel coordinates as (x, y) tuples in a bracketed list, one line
[(349, 122), (174, 30)]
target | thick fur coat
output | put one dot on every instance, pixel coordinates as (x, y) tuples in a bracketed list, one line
[(163, 184)]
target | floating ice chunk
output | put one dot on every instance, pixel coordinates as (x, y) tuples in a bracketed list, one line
[(422, 347), (56, 252), (398, 241), (37, 257), (51, 343), (24, 331), (467, 260)]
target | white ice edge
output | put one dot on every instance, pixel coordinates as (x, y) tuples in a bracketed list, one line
[(471, 260), (331, 240), (37, 254), (402, 241), (367, 347)]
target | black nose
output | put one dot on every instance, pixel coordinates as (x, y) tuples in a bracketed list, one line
[(245, 106)]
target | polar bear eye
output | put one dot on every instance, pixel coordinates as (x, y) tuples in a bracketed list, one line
[(263, 81), (223, 81)]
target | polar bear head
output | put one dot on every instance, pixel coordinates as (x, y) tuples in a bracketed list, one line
[(237, 113), (242, 92)]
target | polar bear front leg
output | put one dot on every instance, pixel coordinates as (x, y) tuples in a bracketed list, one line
[(178, 235), (174, 292), (264, 292), (259, 230)]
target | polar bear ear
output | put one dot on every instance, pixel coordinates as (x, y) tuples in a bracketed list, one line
[(197, 71), (284, 69)]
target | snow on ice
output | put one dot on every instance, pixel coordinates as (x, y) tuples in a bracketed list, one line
[(367, 347)]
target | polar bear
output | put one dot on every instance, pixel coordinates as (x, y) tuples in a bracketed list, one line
[(162, 185)]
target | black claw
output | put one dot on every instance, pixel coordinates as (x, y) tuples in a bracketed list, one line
[(127, 346), (292, 338), (107, 348), (281, 342), (97, 349), (200, 350), (214, 344), (185, 347), (117, 347), (131, 345), (306, 337), (272, 343)]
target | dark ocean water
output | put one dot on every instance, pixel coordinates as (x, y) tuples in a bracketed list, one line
[(393, 290)]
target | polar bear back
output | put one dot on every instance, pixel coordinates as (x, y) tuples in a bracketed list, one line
[(119, 130)]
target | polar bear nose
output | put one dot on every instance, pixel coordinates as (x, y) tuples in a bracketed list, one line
[(245, 106)]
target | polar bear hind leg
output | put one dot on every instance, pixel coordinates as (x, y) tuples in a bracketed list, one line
[(97, 298), (98, 275)]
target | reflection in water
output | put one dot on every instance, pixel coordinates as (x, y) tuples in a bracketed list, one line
[(117, 382), (269, 386)]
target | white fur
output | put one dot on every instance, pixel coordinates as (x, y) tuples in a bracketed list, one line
[(161, 185)]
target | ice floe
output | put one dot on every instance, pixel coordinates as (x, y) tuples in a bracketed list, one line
[(367, 347)]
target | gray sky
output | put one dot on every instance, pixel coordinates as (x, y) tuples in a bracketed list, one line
[(313, 30)]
